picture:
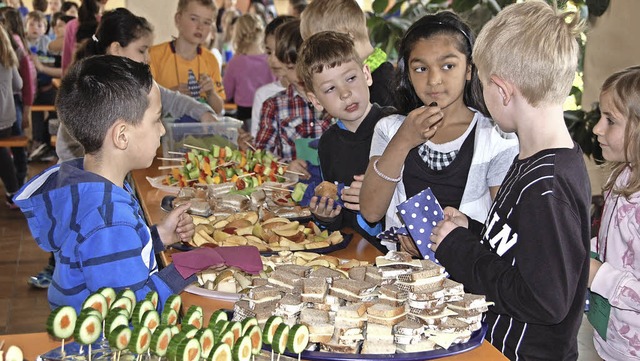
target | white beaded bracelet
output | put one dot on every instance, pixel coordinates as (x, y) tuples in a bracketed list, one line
[(384, 176)]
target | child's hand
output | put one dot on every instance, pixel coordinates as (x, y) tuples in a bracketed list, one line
[(208, 117), (440, 231), (407, 245), (206, 84), (177, 226), (594, 266), (244, 139), (351, 195), (323, 209), (420, 125), (299, 166), (456, 217), (26, 117)]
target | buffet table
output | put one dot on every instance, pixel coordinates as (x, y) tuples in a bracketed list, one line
[(150, 199)]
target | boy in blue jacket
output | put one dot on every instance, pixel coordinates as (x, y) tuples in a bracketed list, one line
[(83, 210)]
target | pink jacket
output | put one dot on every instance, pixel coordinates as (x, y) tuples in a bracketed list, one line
[(618, 279), (28, 73), (69, 45)]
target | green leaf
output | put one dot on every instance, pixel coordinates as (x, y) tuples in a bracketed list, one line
[(379, 6)]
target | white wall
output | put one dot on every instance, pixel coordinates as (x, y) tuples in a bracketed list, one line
[(160, 15)]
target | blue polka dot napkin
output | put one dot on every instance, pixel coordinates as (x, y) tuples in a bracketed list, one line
[(420, 214)]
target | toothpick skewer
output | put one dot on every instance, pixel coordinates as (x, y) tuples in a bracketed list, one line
[(1, 344), (172, 159), (277, 188), (176, 153), (293, 172), (195, 147), (163, 167), (246, 175), (250, 145)]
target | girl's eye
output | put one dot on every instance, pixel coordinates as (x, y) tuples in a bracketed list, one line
[(420, 69), (447, 67)]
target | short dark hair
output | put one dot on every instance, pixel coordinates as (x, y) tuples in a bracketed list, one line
[(324, 50), (99, 90), (68, 5), (40, 5), (288, 41), (270, 29)]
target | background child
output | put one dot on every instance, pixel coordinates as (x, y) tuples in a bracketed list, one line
[(287, 116), (615, 273), (338, 82), (182, 64), (532, 260), (12, 22), (81, 28), (452, 147), (70, 8), (10, 81), (248, 69), (346, 16), (111, 245), (277, 69)]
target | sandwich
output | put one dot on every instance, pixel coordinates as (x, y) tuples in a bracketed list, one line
[(335, 347), (310, 316), (378, 347), (302, 271), (262, 294), (470, 310), (284, 279), (351, 316), (387, 315), (314, 290), (453, 291), (320, 332), (373, 275), (327, 190), (420, 345), (379, 333), (392, 295), (357, 273), (407, 331), (289, 305), (352, 290), (327, 273)]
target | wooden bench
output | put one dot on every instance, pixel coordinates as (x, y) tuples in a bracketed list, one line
[(43, 108), (14, 141)]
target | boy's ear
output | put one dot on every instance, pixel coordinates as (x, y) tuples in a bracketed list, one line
[(367, 74), (505, 88), (316, 104), (119, 135)]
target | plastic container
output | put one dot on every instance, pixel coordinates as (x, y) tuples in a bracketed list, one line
[(223, 132)]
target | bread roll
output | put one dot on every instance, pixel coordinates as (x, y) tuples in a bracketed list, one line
[(327, 189)]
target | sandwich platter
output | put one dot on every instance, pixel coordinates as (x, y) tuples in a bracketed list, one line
[(476, 340)]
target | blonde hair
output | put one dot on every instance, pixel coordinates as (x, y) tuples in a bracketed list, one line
[(343, 16), (247, 31), (8, 57), (37, 15), (324, 50), (624, 89), (533, 46), (182, 4)]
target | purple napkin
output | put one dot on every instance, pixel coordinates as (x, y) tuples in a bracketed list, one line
[(420, 214), (247, 258)]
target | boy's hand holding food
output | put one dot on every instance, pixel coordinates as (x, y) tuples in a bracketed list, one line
[(177, 226), (453, 219), (351, 195)]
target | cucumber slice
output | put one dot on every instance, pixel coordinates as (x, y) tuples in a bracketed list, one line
[(150, 320), (140, 340), (153, 297), (175, 330), (270, 328), (90, 311), (169, 317), (160, 340), (142, 307), (62, 322), (120, 311), (188, 350), (114, 320), (236, 328), (206, 339), (14, 353), (227, 337), (219, 328), (123, 303), (172, 349), (242, 349), (174, 302), (128, 294), (280, 338), (189, 330), (109, 294), (220, 352), (193, 316), (98, 302), (88, 329), (298, 338), (248, 322), (216, 316), (255, 335), (120, 337)]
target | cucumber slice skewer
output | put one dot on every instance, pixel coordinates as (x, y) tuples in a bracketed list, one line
[(62, 322), (220, 352), (98, 302), (160, 340), (242, 349), (109, 294), (120, 337), (298, 339)]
